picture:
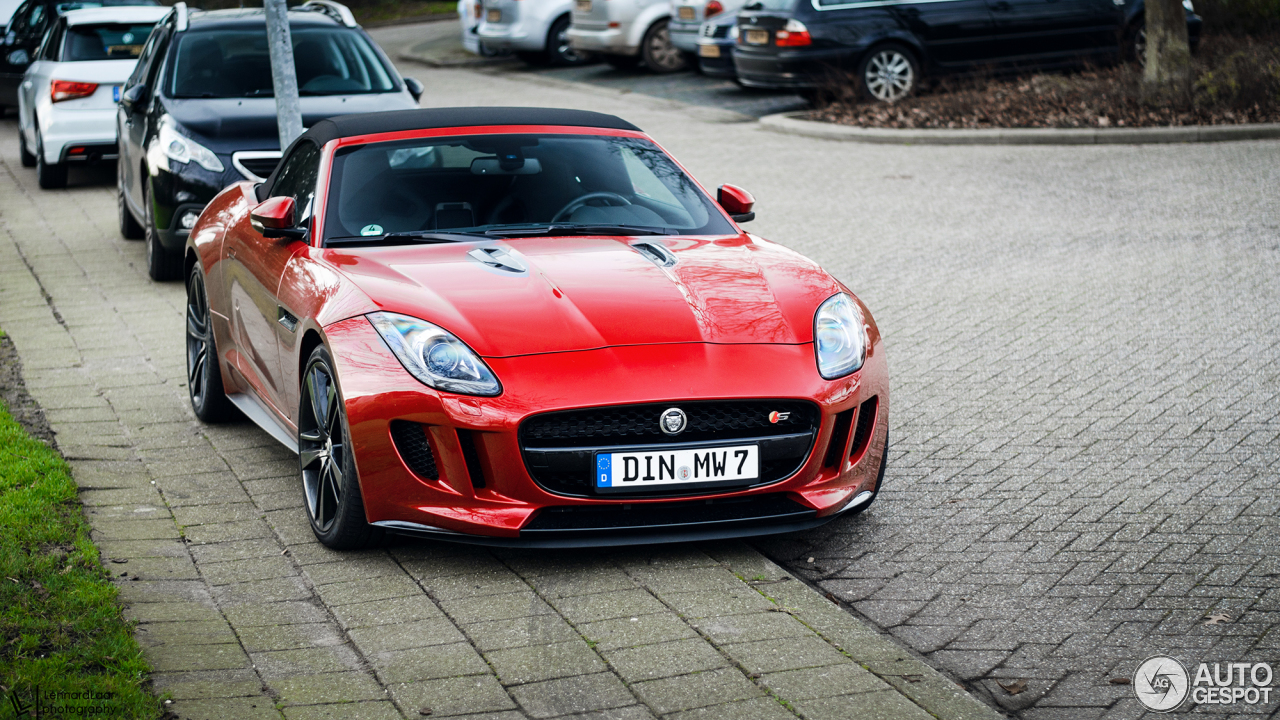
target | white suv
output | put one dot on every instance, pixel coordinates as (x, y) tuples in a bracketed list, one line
[(626, 33), (535, 30)]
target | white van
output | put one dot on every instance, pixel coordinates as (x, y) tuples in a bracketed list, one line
[(626, 33)]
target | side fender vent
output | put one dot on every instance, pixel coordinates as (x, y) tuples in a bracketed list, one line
[(466, 438), (866, 428)]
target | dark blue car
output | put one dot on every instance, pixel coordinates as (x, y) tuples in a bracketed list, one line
[(890, 44)]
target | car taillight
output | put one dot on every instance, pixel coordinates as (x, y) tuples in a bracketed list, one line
[(794, 34), (61, 90), (713, 8)]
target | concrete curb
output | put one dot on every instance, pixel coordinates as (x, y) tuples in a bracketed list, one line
[(793, 124)]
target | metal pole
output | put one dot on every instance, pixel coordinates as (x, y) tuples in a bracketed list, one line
[(284, 78)]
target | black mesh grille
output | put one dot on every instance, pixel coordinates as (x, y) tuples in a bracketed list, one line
[(411, 440), (261, 167), (559, 448)]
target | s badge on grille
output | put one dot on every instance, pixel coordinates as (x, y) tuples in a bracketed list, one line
[(673, 421), (776, 417)]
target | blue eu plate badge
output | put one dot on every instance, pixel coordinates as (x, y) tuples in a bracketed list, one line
[(604, 469), (115, 93)]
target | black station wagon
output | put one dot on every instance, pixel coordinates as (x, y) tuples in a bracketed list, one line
[(890, 44)]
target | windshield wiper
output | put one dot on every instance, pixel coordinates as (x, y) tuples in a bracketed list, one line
[(575, 229), (416, 237)]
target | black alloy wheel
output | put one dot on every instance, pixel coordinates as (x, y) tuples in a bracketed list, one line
[(559, 52), (50, 177), (28, 160), (162, 265), (204, 376), (889, 73), (129, 228), (1137, 45), (659, 55), (330, 484)]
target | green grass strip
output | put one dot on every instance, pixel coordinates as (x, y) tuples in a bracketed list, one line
[(62, 633)]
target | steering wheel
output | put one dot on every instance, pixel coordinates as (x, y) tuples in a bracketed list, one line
[(583, 199)]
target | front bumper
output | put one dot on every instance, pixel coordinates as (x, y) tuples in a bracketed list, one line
[(185, 188), (684, 35), (610, 41), (483, 491), (720, 66)]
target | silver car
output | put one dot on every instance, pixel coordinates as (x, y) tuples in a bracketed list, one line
[(687, 17), (67, 98), (626, 33)]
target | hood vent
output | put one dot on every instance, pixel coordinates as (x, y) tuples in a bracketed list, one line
[(498, 259), (657, 253)]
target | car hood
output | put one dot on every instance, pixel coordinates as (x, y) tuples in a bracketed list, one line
[(226, 125), (581, 293)]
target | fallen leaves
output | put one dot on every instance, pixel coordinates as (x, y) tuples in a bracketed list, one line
[(1013, 688), (1217, 619), (1119, 681)]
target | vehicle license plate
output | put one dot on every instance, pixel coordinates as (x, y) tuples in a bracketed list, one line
[(494, 16), (115, 93), (757, 37), (686, 13), (641, 470), (709, 51), (584, 5)]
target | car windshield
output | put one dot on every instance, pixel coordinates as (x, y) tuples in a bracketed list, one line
[(236, 63), (104, 41), (513, 185)]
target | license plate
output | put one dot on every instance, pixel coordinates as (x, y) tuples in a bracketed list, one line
[(658, 468), (584, 6), (709, 51), (494, 16), (757, 37), (686, 13), (115, 93)]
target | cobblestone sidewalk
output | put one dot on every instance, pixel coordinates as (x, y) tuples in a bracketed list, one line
[(243, 615)]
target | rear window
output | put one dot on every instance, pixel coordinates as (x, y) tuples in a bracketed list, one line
[(782, 6), (236, 63), (104, 42)]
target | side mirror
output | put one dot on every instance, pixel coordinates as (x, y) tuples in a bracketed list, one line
[(134, 96), (18, 58), (737, 202), (414, 87), (274, 219)]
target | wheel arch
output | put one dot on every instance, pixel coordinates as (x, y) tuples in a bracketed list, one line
[(645, 21)]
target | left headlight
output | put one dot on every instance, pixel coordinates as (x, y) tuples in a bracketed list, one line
[(839, 337), (180, 148), (435, 356)]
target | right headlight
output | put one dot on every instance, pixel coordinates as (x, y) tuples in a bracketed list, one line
[(839, 337), (180, 148), (435, 356)]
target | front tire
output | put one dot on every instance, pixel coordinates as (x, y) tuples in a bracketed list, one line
[(659, 55), (889, 73), (162, 264), (129, 228), (330, 484), (204, 376), (559, 52), (50, 176), (28, 160)]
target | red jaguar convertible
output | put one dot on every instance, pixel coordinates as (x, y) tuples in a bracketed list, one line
[(522, 326)]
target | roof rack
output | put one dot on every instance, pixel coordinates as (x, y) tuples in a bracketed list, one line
[(335, 10), (180, 16)]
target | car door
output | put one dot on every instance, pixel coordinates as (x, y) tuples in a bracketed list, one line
[(35, 77), (21, 40), (131, 130), (954, 33), (252, 268), (1047, 30)]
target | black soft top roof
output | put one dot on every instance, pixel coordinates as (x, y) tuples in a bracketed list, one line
[(433, 118)]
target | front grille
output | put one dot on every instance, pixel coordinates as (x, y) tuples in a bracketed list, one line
[(411, 441), (715, 31), (651, 517), (559, 448), (255, 166)]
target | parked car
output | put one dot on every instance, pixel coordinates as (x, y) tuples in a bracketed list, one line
[(535, 30), (199, 113), (716, 39), (469, 18), (626, 33), (67, 100), (24, 33), (529, 326), (889, 47), (687, 17)]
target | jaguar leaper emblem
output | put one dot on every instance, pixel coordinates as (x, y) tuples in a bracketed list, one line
[(673, 421)]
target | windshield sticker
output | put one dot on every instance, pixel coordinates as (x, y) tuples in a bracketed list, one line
[(371, 230)]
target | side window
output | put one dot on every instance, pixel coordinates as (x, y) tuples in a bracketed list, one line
[(18, 26), (297, 179), (36, 22), (146, 58), (52, 41)]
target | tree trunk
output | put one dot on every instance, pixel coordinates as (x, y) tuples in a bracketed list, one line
[(1167, 75)]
